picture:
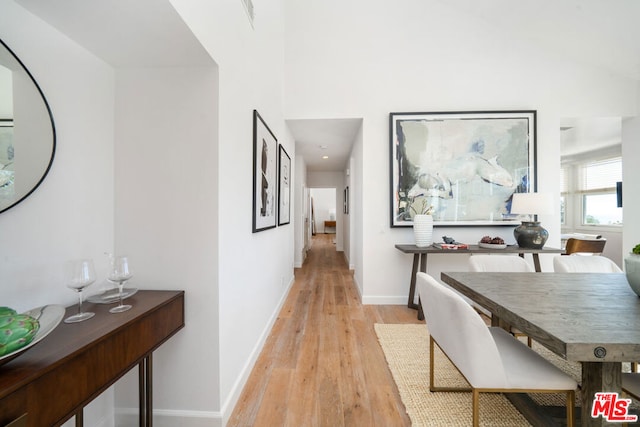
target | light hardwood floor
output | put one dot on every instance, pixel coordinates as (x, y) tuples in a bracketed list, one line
[(322, 365)]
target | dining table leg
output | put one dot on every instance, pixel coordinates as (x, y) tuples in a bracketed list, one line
[(598, 377)]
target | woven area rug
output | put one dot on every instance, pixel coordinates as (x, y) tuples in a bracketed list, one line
[(406, 348)]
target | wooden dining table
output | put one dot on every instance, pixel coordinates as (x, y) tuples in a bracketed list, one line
[(591, 318)]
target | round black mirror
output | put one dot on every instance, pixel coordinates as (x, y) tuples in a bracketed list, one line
[(27, 132)]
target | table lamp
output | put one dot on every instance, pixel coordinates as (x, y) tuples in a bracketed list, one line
[(530, 234)]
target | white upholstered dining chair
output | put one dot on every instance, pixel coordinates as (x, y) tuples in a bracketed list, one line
[(584, 264), (489, 358), (498, 263)]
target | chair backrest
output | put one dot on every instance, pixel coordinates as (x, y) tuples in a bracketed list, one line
[(497, 263), (461, 333), (593, 246), (584, 264)]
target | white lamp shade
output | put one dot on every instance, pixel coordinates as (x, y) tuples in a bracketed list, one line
[(532, 204)]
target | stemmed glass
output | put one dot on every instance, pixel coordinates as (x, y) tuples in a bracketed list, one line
[(79, 275), (119, 274)]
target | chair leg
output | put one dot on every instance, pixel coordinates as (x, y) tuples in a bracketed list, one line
[(476, 409), (432, 386), (571, 416)]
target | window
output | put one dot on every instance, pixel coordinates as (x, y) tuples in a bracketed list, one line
[(588, 193)]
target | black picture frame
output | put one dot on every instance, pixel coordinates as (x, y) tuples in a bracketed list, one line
[(345, 208), (265, 145), (465, 165), (284, 187), (619, 194)]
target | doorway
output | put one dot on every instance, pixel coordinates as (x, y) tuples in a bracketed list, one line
[(324, 218)]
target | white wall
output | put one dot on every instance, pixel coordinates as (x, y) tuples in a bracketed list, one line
[(255, 269), (348, 218), (356, 213), (189, 202), (6, 93), (166, 215), (71, 214), (438, 62), (300, 217)]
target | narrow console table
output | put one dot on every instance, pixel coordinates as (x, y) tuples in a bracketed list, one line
[(420, 258), (51, 382), (329, 224)]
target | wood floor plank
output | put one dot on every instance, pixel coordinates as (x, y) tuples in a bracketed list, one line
[(290, 338), (322, 364), (339, 295), (330, 412), (304, 385), (356, 399), (273, 411)]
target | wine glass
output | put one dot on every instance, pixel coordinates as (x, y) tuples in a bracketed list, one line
[(79, 275), (119, 274)]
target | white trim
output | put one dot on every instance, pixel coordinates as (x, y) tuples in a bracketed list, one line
[(171, 418), (358, 287), (384, 300)]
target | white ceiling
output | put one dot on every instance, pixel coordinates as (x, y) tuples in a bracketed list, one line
[(125, 33), (583, 135), (597, 32), (601, 33), (324, 137), (149, 33)]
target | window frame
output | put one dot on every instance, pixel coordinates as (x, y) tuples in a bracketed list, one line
[(573, 196)]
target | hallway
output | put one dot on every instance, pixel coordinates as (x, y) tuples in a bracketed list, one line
[(322, 365)]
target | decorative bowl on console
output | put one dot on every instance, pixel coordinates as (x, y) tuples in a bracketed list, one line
[(49, 316)]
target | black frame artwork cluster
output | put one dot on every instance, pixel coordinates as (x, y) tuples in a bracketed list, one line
[(271, 163)]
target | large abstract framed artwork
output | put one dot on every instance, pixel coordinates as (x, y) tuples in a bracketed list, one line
[(265, 145), (465, 165), (284, 187)]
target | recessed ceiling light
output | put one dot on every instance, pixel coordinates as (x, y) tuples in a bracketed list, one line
[(325, 157)]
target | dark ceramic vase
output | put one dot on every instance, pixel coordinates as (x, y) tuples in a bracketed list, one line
[(530, 235)]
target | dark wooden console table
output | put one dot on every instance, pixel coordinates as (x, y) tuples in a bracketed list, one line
[(51, 382), (420, 258)]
